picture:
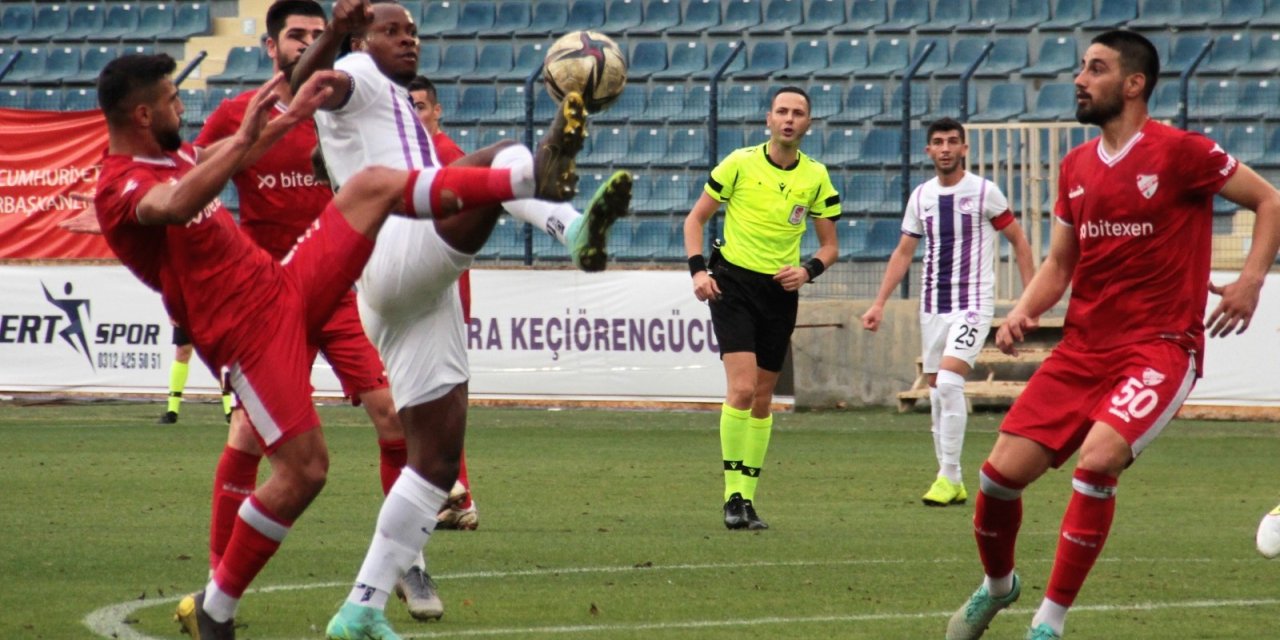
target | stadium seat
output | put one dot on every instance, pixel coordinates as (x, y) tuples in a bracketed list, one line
[(1162, 41), (664, 101), (628, 106), (650, 235), (457, 61), (487, 135), (1238, 13), (648, 146), (1055, 102), (81, 100), (647, 58), (699, 16), (264, 71), (1112, 14), (864, 16), (949, 102), (719, 54), (765, 58), (1197, 14), (120, 22), (585, 15), (50, 21), (512, 16), (848, 59), (241, 63), (740, 17), (193, 102), (743, 102), (155, 21), (85, 20), (882, 239), (919, 105), (549, 17), (1229, 53), (863, 193), (807, 58), (478, 104), (1248, 143), (429, 59), (686, 147), (1068, 14), (528, 59), (881, 147), (493, 62), (843, 146), (29, 67), (1007, 102), (1164, 102), (1271, 157), (1007, 57), (190, 19), (888, 58), (1184, 50), (623, 16), (821, 16), (938, 58), (963, 54), (509, 105), (61, 64), (474, 18), (687, 59), (825, 101), (215, 95), (439, 20), (1218, 98), (671, 192), (1156, 14), (608, 145), (1025, 15), (13, 98), (17, 21), (45, 99), (905, 15), (1057, 55), (660, 16), (1270, 15), (1264, 58), (946, 17), (812, 145), (447, 98), (986, 15), (779, 16), (864, 101), (728, 138), (696, 106)]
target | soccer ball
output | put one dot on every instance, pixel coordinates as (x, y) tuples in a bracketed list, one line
[(588, 62), (1268, 537)]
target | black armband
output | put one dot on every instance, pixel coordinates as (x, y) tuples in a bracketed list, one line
[(815, 268), (697, 264)]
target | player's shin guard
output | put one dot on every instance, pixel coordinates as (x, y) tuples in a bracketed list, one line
[(405, 523), (758, 432), (233, 482), (935, 411), (256, 537), (733, 442), (178, 373), (392, 455), (1085, 526), (954, 415), (445, 191), (996, 521)]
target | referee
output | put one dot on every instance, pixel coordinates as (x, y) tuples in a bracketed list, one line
[(752, 281)]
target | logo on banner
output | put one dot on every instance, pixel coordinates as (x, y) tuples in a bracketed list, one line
[(74, 330)]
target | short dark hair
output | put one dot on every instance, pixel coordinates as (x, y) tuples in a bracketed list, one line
[(790, 89), (421, 83), (125, 77), (944, 124), (1137, 55), (280, 11)]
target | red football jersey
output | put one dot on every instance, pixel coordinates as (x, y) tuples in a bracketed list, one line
[(199, 267), (447, 150), (1143, 219), (279, 194)]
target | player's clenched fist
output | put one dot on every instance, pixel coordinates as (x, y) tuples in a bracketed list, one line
[(350, 16)]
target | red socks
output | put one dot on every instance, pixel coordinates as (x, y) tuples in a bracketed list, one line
[(392, 456), (255, 538), (996, 520), (462, 477), (233, 481), (1085, 526), (471, 186)]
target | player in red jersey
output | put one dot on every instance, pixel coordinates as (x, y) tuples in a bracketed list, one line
[(1132, 239), (159, 212)]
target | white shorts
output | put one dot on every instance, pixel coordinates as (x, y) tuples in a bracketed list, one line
[(411, 310), (959, 334)]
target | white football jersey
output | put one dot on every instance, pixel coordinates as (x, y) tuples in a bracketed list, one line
[(959, 225)]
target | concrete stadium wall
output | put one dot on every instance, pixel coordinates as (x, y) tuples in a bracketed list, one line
[(838, 364)]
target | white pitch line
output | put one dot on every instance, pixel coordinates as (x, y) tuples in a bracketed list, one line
[(109, 621)]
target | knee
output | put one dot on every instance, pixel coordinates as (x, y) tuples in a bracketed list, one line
[(1109, 460), (740, 395), (951, 392), (372, 184)]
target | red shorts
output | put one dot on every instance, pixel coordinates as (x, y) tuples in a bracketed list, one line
[(271, 373), (1136, 389), (349, 352)]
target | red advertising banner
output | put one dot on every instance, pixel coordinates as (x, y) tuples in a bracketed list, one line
[(45, 156)]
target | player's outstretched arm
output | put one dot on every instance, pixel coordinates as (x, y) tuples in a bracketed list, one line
[(1240, 298), (894, 272), (704, 286), (1044, 291), (349, 17)]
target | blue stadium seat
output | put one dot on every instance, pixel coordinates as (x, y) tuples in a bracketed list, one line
[(190, 19), (864, 16), (241, 63), (687, 60), (843, 146), (765, 58), (699, 16), (1229, 53), (848, 59), (1025, 15), (1113, 14), (946, 17), (193, 102), (415, 9), (528, 59), (1271, 157), (1264, 58), (825, 100), (719, 54), (585, 15), (494, 61), (888, 58), (623, 16), (647, 58), (155, 21), (1068, 14), (650, 237), (478, 104), (664, 101), (938, 58), (864, 101), (512, 16), (1055, 102), (45, 99), (1008, 56), (660, 16), (905, 15), (503, 237), (81, 100), (61, 64), (628, 106), (474, 18), (486, 136), (686, 147), (85, 20), (949, 102), (1164, 102), (1057, 55), (1184, 50), (588, 182), (549, 16), (608, 145), (670, 192), (648, 146), (882, 239), (821, 16), (986, 15), (215, 95), (919, 105), (1238, 13), (447, 98), (441, 18), (779, 16), (120, 22), (1248, 143), (1162, 41), (16, 21), (29, 67), (864, 193), (963, 53), (1007, 102), (882, 147), (1156, 14), (429, 59), (50, 21), (266, 68), (807, 58), (1197, 13), (743, 102), (812, 145), (696, 106), (13, 98), (509, 105), (457, 61), (739, 18), (728, 138), (1218, 98)]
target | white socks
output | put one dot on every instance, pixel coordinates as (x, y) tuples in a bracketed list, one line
[(1052, 614), (951, 425), (519, 160), (405, 522), (553, 217), (935, 409)]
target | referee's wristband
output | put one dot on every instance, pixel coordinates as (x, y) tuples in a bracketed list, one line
[(697, 264), (815, 268)]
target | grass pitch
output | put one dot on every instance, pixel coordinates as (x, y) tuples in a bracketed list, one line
[(601, 524)]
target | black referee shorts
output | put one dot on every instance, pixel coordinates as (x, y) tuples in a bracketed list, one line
[(180, 337), (754, 314)]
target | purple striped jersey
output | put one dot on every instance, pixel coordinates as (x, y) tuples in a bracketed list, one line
[(959, 225)]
